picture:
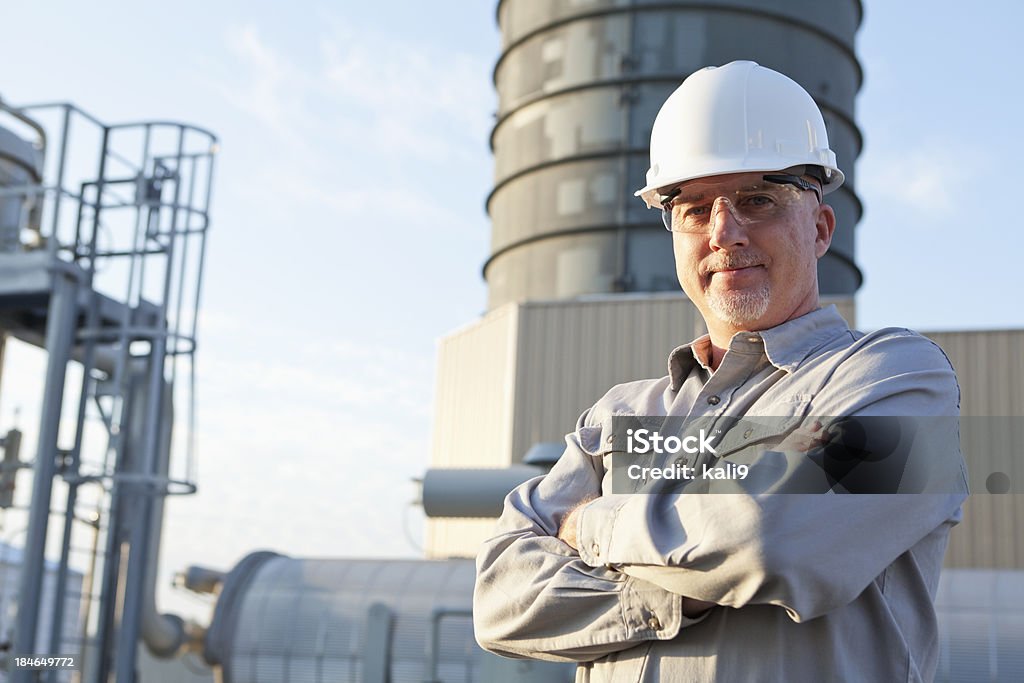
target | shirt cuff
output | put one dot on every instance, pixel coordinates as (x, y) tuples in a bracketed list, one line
[(595, 522), (649, 611), (652, 613)]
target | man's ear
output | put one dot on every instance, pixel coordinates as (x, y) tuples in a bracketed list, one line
[(824, 226)]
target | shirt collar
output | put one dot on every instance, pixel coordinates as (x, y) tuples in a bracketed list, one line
[(786, 345)]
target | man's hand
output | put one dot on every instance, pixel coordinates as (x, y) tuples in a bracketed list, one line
[(805, 439), (567, 530)]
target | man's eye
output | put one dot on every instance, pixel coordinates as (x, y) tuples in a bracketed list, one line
[(759, 200), (695, 211)]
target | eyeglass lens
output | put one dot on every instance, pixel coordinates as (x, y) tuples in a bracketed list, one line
[(694, 207)]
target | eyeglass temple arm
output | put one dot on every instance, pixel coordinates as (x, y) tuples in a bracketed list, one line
[(797, 181)]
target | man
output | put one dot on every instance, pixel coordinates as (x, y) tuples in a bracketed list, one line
[(756, 584)]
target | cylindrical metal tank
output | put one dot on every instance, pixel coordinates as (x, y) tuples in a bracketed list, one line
[(20, 170), (353, 620), (579, 85)]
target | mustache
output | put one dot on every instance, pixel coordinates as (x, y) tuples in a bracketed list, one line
[(731, 262)]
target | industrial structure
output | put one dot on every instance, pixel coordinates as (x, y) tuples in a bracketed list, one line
[(102, 235), (582, 295)]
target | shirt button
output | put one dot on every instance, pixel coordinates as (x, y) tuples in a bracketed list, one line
[(653, 623), (753, 340), (713, 400), (746, 434), (596, 549)]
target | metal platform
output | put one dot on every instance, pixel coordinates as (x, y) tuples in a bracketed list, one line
[(26, 287)]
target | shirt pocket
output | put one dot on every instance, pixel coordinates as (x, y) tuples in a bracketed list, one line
[(592, 440), (766, 427), (604, 440), (599, 442)]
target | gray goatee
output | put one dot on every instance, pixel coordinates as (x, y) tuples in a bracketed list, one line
[(740, 307)]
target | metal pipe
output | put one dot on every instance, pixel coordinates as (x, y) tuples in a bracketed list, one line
[(162, 633), (27, 120), (88, 583), (3, 348), (61, 161), (471, 492), (139, 555), (88, 361), (106, 600), (60, 328), (137, 494), (60, 592), (112, 554), (200, 579)]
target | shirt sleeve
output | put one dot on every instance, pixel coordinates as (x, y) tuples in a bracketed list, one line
[(808, 553), (535, 597)]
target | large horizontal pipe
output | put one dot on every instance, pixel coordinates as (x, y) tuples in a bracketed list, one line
[(472, 492)]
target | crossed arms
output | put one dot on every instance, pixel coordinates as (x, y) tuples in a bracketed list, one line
[(566, 581)]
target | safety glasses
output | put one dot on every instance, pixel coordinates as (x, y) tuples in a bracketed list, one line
[(691, 207)]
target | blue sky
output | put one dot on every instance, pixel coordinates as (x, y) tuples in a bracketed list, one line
[(349, 229)]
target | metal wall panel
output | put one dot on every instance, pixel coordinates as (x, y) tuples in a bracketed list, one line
[(990, 368), (472, 416), (473, 398), (571, 353)]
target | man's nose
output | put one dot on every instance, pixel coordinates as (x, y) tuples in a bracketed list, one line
[(727, 231)]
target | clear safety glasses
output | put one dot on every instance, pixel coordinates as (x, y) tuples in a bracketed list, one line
[(692, 207)]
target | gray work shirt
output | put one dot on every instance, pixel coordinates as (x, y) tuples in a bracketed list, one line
[(809, 587)]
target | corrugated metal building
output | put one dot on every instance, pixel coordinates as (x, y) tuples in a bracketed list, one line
[(990, 367)]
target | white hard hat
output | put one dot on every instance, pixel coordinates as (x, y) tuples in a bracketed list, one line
[(737, 118)]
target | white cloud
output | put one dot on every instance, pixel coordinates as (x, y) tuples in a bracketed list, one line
[(265, 87), (932, 180), (367, 113), (368, 90), (413, 87)]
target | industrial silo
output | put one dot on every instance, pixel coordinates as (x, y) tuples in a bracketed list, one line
[(579, 84)]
